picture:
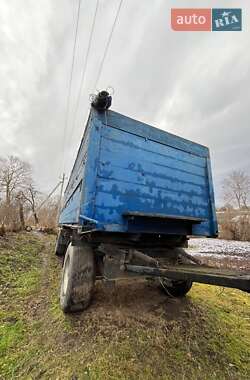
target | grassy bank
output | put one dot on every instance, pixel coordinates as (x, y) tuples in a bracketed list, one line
[(137, 333)]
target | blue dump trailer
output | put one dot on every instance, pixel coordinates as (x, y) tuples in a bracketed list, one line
[(134, 196)]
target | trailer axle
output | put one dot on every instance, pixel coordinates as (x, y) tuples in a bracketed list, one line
[(204, 275)]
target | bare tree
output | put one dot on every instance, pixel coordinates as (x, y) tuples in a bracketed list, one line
[(236, 188), (20, 201), (30, 195), (14, 176)]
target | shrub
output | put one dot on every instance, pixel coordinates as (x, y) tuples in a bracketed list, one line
[(235, 226)]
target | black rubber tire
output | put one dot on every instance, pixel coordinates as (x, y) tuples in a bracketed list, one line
[(61, 247), (78, 278), (178, 288)]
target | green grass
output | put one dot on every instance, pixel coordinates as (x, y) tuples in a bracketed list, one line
[(20, 272), (137, 333)]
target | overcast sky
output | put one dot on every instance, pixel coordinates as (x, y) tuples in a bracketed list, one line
[(193, 84)]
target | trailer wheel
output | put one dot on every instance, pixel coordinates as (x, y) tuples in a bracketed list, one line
[(61, 245), (177, 288), (60, 249), (78, 278)]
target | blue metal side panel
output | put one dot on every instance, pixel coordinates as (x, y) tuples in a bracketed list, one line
[(75, 190), (90, 175), (136, 127), (70, 211), (147, 170), (213, 216)]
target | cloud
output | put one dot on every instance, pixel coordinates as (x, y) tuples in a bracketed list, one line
[(193, 84)]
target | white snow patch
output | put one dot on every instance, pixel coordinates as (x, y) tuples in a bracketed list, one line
[(220, 247)]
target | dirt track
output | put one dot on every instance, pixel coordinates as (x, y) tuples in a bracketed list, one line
[(135, 332)]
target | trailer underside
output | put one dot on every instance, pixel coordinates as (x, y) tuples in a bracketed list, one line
[(174, 264), (95, 255), (127, 255)]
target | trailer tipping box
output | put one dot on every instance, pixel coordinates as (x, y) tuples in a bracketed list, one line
[(130, 177)]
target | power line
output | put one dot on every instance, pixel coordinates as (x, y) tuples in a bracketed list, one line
[(50, 194), (60, 198), (70, 81), (108, 44), (85, 67), (105, 51)]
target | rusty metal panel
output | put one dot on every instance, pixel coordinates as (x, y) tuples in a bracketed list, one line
[(126, 166), (142, 169)]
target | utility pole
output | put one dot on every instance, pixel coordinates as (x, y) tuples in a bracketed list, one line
[(60, 197)]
